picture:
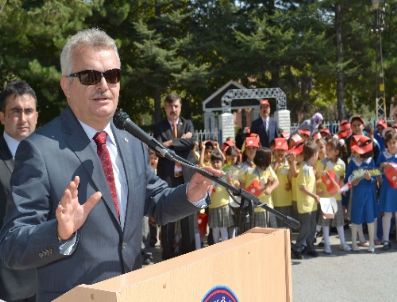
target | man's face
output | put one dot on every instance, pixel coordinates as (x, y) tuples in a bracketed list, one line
[(264, 110), (94, 104), (20, 116), (173, 110)]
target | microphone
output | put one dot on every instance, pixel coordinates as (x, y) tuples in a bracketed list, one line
[(122, 121)]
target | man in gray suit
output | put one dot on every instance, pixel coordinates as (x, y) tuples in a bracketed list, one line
[(18, 115), (81, 186)]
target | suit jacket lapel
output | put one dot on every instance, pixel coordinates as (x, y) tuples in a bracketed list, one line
[(126, 152), (5, 155), (85, 150), (127, 148)]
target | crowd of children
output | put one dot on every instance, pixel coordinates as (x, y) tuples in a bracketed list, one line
[(356, 168), (353, 171)]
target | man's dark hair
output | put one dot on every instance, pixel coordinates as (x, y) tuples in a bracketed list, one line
[(15, 88), (263, 158), (309, 149), (173, 97)]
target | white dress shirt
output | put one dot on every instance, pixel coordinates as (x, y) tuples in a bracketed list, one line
[(266, 124), (120, 178), (12, 143)]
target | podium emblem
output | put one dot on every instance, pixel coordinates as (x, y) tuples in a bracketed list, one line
[(220, 294)]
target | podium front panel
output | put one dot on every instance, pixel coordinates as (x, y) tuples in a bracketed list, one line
[(255, 266)]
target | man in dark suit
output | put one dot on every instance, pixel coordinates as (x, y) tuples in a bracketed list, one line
[(81, 187), (176, 133), (18, 115), (265, 125)]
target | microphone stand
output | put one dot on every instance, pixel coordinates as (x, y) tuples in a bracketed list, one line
[(122, 121), (245, 195)]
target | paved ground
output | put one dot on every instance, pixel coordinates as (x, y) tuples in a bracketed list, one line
[(352, 276), (343, 276)]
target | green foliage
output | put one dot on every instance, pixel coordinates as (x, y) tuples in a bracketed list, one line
[(194, 47), (33, 34)]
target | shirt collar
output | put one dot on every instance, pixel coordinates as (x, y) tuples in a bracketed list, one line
[(388, 155), (364, 161), (12, 143), (172, 123), (91, 132)]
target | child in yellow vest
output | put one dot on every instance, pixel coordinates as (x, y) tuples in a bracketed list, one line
[(333, 166), (294, 158), (249, 148), (282, 195), (231, 169), (219, 218), (322, 153), (261, 182), (307, 201)]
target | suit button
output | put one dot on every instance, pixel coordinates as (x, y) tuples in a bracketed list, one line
[(41, 255), (123, 245)]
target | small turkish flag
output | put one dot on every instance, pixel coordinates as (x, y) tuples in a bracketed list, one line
[(391, 174), (254, 188), (329, 179)]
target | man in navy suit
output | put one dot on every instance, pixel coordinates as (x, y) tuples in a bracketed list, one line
[(18, 115), (265, 126), (81, 187)]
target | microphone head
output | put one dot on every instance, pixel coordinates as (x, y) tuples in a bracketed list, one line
[(119, 119)]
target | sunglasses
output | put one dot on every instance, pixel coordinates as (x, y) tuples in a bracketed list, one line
[(92, 77)]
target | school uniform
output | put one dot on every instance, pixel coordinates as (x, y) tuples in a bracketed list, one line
[(363, 200), (388, 195)]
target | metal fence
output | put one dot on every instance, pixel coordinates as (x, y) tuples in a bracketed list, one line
[(203, 135), (216, 134), (333, 126)]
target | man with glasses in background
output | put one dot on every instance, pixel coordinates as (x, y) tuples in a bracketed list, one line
[(81, 186)]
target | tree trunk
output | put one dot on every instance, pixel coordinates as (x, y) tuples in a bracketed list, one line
[(340, 85), (157, 106), (275, 76)]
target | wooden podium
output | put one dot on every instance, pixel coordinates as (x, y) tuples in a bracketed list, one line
[(255, 266)]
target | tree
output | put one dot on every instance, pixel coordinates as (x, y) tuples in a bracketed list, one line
[(33, 34)]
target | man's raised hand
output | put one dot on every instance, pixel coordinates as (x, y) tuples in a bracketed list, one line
[(70, 214)]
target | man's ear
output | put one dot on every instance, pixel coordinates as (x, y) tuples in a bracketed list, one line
[(64, 82), (2, 117)]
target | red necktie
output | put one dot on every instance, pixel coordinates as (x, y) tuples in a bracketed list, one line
[(104, 155), (174, 130), (178, 167)]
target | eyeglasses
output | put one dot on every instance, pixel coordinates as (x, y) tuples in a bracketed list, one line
[(92, 77)]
